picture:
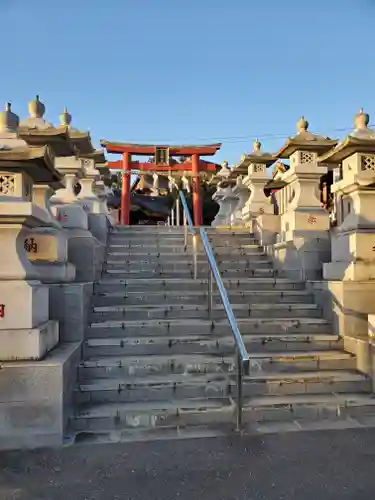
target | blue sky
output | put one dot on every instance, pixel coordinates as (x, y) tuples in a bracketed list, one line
[(191, 71)]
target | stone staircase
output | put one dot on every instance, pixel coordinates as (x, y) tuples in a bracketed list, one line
[(156, 366)]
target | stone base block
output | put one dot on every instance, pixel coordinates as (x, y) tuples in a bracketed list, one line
[(306, 220), (70, 306), (349, 271), (98, 225), (36, 399), (25, 304), (86, 253), (350, 303), (266, 227), (57, 272), (302, 257), (28, 344)]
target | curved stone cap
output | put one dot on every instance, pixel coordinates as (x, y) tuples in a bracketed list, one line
[(9, 121), (305, 141), (37, 162), (360, 140), (58, 140)]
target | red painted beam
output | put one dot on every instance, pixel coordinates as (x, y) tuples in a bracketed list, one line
[(178, 167), (149, 149), (125, 190)]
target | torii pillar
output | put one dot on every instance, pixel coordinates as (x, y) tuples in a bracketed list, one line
[(125, 190), (197, 200)]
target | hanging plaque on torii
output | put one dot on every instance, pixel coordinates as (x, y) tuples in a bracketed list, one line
[(162, 163)]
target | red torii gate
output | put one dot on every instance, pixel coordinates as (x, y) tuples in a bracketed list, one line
[(162, 155)]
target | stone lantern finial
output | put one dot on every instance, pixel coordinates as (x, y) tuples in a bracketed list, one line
[(257, 146), (361, 120), (36, 108), (65, 118), (9, 121), (302, 125)]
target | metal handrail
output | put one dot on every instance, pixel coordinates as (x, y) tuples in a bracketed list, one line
[(243, 364)]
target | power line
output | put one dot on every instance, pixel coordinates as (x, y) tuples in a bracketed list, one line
[(244, 138)]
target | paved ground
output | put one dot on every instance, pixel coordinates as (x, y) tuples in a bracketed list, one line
[(305, 466)]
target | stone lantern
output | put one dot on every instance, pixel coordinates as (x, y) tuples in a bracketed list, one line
[(29, 335), (304, 235), (224, 196), (256, 162), (351, 272)]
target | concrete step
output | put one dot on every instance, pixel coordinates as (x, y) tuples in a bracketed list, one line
[(153, 388), (146, 311), (308, 407), (186, 386), (260, 362), (141, 249), (165, 263), (260, 326), (307, 382), (111, 284), (297, 361), (207, 344), (125, 366), (153, 414), (183, 273), (164, 415), (269, 297)]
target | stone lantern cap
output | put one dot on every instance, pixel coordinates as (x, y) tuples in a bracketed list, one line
[(97, 155), (305, 141), (58, 140), (103, 168), (256, 156), (222, 178), (37, 162), (360, 140), (81, 140)]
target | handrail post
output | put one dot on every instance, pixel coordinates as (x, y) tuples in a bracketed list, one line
[(239, 398), (209, 293)]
